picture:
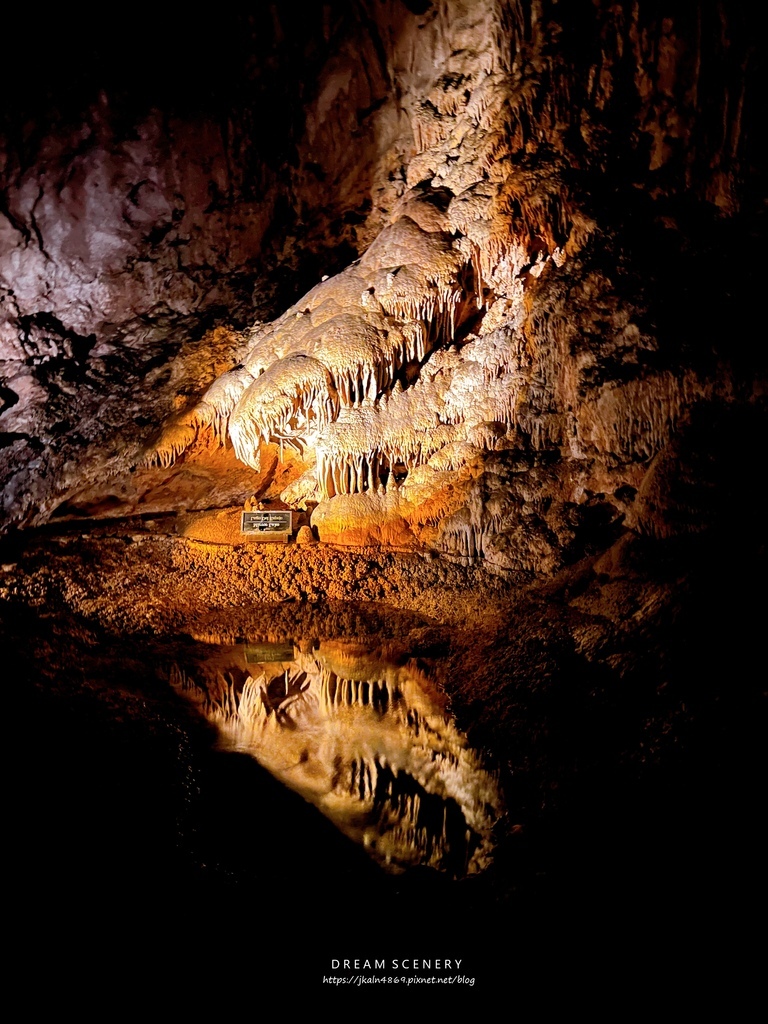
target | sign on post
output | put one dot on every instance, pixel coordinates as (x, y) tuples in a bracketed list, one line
[(276, 525)]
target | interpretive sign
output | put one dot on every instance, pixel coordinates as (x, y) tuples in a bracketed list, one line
[(276, 525), (256, 653)]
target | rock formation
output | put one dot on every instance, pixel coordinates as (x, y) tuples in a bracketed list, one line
[(534, 194), (475, 288)]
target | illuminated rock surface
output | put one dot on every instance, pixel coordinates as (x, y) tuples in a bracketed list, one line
[(477, 290), (535, 198)]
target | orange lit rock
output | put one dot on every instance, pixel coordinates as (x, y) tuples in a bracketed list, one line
[(365, 520)]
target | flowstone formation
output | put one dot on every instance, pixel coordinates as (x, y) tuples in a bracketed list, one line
[(476, 287), (495, 228), (482, 381)]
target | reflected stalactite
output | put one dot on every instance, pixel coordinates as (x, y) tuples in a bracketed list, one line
[(367, 742)]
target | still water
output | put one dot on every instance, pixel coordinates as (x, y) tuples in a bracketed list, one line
[(366, 739)]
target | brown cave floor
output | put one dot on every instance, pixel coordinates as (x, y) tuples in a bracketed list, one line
[(622, 701)]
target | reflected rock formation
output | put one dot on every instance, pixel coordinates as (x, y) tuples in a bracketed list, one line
[(367, 741)]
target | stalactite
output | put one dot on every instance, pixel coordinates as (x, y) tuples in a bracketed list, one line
[(374, 372), (634, 420), (220, 399), (362, 354), (293, 396), (175, 438)]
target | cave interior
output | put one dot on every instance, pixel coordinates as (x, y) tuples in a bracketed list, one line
[(474, 290)]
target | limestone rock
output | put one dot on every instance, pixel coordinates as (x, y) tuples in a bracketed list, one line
[(474, 250), (305, 535)]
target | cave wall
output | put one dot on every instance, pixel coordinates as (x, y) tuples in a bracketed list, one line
[(590, 164), (151, 189)]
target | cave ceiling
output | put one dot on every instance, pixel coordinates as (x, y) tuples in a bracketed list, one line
[(468, 277)]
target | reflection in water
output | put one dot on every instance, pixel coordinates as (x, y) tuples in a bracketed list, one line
[(366, 741)]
